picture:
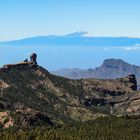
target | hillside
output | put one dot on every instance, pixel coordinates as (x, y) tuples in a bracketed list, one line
[(110, 69), (30, 96)]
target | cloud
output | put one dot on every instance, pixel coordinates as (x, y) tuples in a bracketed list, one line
[(132, 48), (106, 49), (137, 44), (123, 48), (87, 34)]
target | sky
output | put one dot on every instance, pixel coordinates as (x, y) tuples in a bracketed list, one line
[(27, 18)]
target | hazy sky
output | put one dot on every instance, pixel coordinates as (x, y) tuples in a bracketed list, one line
[(25, 18)]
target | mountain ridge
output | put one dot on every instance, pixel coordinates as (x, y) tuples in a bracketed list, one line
[(75, 39), (110, 69), (32, 96)]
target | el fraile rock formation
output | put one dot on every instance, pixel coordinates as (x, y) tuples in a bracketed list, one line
[(32, 96)]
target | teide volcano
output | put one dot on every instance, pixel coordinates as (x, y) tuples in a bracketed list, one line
[(30, 96)]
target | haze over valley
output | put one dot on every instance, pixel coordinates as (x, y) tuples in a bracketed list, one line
[(74, 50)]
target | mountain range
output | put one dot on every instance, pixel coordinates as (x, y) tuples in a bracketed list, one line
[(110, 69), (75, 39), (31, 96)]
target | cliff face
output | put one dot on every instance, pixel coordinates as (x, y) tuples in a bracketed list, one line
[(33, 96)]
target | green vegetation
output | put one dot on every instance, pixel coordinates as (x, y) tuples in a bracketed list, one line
[(36, 105), (39, 91), (104, 128)]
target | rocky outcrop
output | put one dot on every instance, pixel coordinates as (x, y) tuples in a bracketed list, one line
[(3, 85), (132, 80), (25, 63), (114, 95), (6, 120), (33, 58)]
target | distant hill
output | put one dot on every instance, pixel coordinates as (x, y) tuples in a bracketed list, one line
[(75, 39), (110, 69)]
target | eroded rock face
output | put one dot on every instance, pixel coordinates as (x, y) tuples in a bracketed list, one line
[(6, 120), (3, 85), (117, 94), (116, 87), (129, 105)]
